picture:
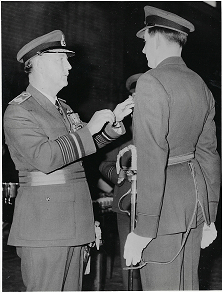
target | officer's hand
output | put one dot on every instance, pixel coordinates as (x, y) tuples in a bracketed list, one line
[(123, 109), (209, 235), (99, 119), (133, 248)]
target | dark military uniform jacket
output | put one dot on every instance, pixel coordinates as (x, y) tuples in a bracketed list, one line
[(173, 118), (121, 201), (53, 205)]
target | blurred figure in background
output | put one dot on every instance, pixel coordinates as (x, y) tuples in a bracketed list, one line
[(121, 205)]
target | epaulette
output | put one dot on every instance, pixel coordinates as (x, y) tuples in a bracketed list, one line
[(62, 99), (20, 98)]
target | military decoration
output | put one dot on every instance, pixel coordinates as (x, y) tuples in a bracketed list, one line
[(74, 120)]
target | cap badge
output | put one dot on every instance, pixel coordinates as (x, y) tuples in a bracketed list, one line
[(63, 43)]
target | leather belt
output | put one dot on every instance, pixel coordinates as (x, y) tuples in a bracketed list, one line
[(180, 158), (62, 176), (38, 178)]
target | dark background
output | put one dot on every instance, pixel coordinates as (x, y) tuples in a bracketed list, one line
[(107, 51), (103, 35)]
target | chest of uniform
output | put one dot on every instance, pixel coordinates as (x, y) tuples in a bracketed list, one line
[(73, 119), (55, 122), (50, 122)]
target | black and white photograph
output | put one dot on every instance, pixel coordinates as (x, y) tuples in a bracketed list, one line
[(111, 145)]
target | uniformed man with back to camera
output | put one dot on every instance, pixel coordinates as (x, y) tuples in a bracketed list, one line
[(122, 185), (178, 167), (53, 217)]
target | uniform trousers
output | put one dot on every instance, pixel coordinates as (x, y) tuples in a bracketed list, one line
[(52, 268), (123, 223), (182, 273)]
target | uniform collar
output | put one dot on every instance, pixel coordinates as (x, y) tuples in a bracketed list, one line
[(41, 97), (35, 91), (44, 102), (171, 61), (52, 99)]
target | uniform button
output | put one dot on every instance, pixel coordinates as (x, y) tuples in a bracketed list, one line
[(47, 199)]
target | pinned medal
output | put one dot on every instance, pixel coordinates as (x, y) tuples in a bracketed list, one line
[(74, 120)]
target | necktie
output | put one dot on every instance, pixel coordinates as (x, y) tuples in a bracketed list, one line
[(59, 108)]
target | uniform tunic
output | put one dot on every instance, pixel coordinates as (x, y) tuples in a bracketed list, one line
[(173, 118), (40, 139), (108, 170)]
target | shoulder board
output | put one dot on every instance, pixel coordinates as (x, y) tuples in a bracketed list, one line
[(62, 99), (20, 98)]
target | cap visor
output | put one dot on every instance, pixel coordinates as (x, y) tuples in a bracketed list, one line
[(69, 53), (140, 33), (62, 50)]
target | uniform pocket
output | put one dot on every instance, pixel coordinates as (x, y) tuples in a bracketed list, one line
[(48, 213)]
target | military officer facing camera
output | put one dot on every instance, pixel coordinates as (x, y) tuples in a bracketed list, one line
[(53, 217), (178, 167)]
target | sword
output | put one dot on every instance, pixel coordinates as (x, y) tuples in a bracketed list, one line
[(132, 176)]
